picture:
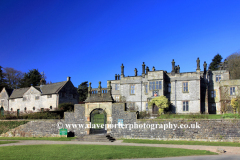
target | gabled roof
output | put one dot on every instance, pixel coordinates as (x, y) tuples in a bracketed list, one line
[(9, 92), (17, 93), (44, 89), (51, 88)]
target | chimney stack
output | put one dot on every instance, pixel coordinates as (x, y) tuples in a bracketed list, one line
[(122, 71), (143, 70), (68, 78)]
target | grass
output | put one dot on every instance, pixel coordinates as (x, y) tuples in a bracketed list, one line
[(6, 142), (7, 125), (200, 116), (234, 144), (93, 152), (39, 138)]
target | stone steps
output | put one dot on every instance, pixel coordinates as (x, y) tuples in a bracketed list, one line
[(96, 138)]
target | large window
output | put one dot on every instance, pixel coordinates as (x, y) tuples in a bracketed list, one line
[(185, 106), (185, 86), (117, 87), (169, 87), (218, 78), (232, 91), (132, 88), (155, 85)]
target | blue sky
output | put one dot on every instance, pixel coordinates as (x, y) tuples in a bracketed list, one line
[(88, 40)]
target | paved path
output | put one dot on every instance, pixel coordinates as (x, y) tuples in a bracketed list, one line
[(232, 153)]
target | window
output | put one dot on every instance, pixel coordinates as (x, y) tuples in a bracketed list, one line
[(42, 109), (185, 86), (146, 88), (11, 109), (36, 97), (155, 93), (24, 98), (218, 78), (169, 87), (117, 98), (132, 89), (49, 96), (117, 87), (213, 94), (185, 106), (232, 91), (155, 85), (50, 107), (25, 109), (33, 108), (146, 106)]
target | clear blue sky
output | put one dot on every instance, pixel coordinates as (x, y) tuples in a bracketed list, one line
[(88, 40)]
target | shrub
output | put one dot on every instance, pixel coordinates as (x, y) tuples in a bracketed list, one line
[(144, 115), (161, 101), (66, 107)]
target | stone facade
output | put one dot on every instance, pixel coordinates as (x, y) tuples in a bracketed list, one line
[(4, 98), (188, 92)]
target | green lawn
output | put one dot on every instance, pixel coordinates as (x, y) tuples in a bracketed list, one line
[(39, 138), (200, 116), (6, 142), (235, 144), (93, 152)]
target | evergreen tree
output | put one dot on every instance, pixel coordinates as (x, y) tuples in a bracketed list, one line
[(214, 65), (83, 91), (32, 78), (2, 79)]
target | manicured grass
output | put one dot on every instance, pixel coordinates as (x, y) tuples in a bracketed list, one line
[(7, 125), (235, 144), (200, 116), (39, 138), (93, 152), (6, 142)]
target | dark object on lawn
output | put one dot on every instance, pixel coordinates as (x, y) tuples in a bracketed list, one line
[(110, 138), (70, 134)]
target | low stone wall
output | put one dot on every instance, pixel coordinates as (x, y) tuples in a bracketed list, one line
[(207, 130)]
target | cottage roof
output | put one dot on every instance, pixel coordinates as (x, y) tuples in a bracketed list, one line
[(44, 89), (51, 88), (17, 93), (9, 92)]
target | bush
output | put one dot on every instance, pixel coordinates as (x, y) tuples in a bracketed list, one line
[(66, 107), (144, 115)]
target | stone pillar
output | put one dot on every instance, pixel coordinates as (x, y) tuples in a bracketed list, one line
[(206, 100), (178, 69), (153, 69), (89, 89), (135, 71), (143, 70), (198, 64), (122, 71), (99, 88), (109, 88), (173, 66), (147, 70), (205, 67), (116, 76)]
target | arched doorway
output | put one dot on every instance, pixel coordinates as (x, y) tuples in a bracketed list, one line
[(155, 109), (98, 118)]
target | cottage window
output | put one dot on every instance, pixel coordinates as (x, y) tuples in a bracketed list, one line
[(232, 91), (117, 87), (185, 86), (218, 78), (185, 106), (49, 96), (36, 97), (33, 108), (132, 87), (24, 98), (50, 107), (25, 109), (11, 109)]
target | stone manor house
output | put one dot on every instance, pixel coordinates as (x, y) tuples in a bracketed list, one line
[(38, 98), (188, 92)]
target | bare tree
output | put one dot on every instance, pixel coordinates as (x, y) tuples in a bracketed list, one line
[(13, 77), (234, 65)]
